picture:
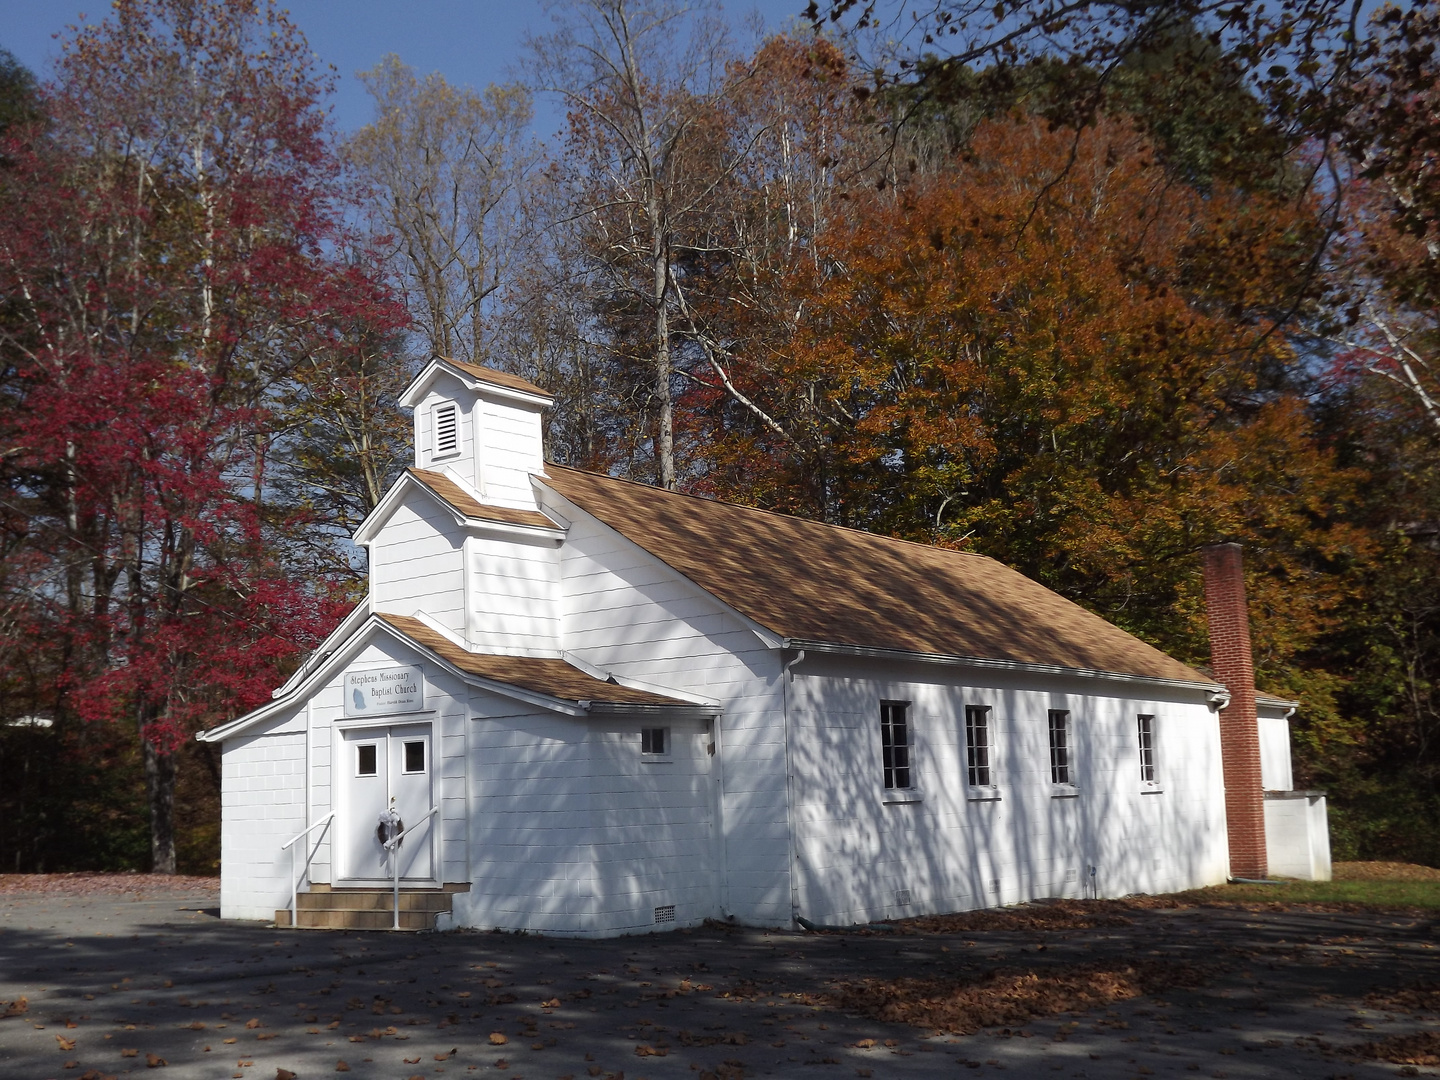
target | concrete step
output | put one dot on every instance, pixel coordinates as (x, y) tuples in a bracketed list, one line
[(374, 900), (357, 920), (326, 908)]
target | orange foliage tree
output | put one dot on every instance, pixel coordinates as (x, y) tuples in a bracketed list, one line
[(1074, 367)]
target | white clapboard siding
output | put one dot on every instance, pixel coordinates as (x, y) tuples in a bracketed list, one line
[(1275, 770), (513, 595), (531, 857), (446, 389), (417, 563), (625, 611), (262, 805), (511, 449), (856, 852)]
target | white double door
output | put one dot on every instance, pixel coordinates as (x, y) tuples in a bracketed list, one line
[(379, 768)]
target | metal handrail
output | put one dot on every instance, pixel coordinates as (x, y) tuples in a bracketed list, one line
[(390, 846), (295, 878)]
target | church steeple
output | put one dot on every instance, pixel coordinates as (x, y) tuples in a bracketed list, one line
[(480, 425)]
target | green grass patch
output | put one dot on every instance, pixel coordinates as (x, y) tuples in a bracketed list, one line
[(1376, 894)]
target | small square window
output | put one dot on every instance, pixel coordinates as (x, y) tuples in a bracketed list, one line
[(365, 760), (654, 740), (895, 744), (1059, 746), (414, 757), (977, 745), (1146, 732)]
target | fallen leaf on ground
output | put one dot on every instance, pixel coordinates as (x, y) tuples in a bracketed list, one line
[(340, 1066), (155, 1061), (64, 1043), (498, 1039), (445, 1057), (1419, 1048), (1001, 997), (253, 1023), (284, 1074), (129, 1053), (18, 1007)]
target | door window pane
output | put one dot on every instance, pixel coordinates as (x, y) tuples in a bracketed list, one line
[(365, 760), (414, 757)]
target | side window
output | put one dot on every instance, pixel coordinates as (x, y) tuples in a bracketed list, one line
[(977, 746), (895, 744), (446, 420), (1059, 746), (654, 741), (1146, 733)]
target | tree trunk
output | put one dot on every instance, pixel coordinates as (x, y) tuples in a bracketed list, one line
[(665, 436), (160, 784)]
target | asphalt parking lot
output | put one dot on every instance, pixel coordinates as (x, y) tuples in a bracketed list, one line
[(153, 982)]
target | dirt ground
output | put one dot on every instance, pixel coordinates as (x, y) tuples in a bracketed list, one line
[(108, 977)]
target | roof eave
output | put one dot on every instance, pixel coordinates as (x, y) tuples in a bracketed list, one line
[(1024, 666), (651, 710), (416, 390)]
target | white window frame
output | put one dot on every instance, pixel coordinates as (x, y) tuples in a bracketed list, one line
[(1145, 746), (980, 756), (437, 453), (1062, 752), (651, 757), (897, 759)]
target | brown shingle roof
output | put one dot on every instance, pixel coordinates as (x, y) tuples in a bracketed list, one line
[(456, 496), (497, 377), (552, 677), (815, 582)]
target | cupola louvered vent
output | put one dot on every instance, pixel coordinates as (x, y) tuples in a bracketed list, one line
[(447, 429)]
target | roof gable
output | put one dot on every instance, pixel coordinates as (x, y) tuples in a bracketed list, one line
[(808, 581), (476, 377)]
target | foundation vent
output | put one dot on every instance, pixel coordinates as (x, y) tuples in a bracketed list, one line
[(902, 897), (665, 913)]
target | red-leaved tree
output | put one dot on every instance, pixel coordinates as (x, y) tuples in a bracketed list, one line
[(170, 250)]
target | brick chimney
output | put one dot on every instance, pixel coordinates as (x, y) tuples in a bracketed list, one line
[(1234, 666)]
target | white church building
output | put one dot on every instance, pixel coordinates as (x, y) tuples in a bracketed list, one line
[(600, 708)]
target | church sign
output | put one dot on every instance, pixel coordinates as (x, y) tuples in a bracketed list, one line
[(384, 691)]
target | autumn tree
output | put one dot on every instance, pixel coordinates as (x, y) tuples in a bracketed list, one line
[(644, 84), (1089, 398), (167, 249), (446, 167)]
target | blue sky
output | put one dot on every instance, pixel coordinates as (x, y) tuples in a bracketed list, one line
[(471, 42)]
